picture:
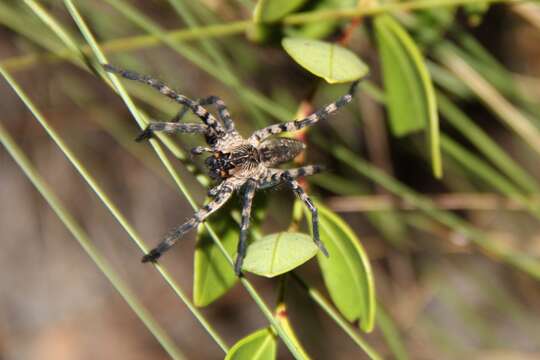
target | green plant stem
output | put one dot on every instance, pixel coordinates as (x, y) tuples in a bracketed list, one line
[(485, 172), (238, 27), (82, 237), (495, 102), (391, 334), (21, 24), (351, 13), (342, 323), (489, 148)]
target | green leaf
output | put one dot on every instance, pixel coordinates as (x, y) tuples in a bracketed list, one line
[(260, 345), (410, 96), (332, 62), (276, 254), (346, 272), (273, 10), (213, 275)]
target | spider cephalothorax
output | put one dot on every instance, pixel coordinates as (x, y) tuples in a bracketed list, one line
[(243, 157), (236, 163)]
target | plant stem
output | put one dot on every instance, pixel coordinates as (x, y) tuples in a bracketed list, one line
[(507, 113), (325, 305), (82, 237), (235, 28), (351, 13)]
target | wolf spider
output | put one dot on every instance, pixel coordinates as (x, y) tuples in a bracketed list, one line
[(236, 163)]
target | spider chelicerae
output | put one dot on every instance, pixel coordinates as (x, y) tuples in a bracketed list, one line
[(236, 163)]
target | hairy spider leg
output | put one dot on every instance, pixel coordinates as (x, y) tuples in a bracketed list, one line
[(297, 189), (199, 150), (170, 128), (216, 189), (200, 216), (277, 176), (247, 201), (223, 112), (296, 125), (207, 118)]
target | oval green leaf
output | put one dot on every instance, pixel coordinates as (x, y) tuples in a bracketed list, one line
[(346, 272), (332, 62), (273, 10), (276, 254), (260, 345), (213, 275), (410, 96)]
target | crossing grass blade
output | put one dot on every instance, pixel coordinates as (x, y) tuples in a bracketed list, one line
[(82, 237), (86, 175), (324, 304), (512, 117), (489, 148), (111, 206), (391, 334)]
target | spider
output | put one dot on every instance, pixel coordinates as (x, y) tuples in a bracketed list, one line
[(237, 164)]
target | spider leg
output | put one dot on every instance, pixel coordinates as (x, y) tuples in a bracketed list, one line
[(197, 109), (215, 190), (277, 176), (198, 150), (170, 128), (297, 189), (247, 201), (175, 234), (223, 112), (295, 125)]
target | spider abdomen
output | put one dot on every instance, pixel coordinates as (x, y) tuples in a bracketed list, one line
[(279, 150)]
